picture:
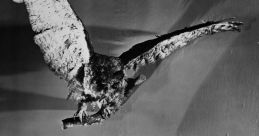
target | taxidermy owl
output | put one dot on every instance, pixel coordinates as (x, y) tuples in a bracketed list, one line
[(101, 84)]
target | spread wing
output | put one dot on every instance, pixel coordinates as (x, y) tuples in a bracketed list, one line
[(63, 40), (159, 48), (60, 35)]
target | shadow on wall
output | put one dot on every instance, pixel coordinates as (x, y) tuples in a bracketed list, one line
[(118, 13), (229, 96), (12, 100), (108, 39), (195, 9), (18, 54)]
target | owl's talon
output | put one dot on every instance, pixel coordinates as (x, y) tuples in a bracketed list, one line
[(81, 115), (82, 111)]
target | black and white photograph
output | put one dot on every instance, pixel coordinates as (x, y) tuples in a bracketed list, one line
[(129, 68)]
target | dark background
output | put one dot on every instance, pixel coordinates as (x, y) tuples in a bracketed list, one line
[(207, 89)]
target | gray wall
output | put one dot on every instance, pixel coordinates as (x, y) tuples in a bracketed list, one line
[(208, 89)]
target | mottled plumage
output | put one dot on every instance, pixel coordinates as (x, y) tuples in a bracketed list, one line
[(100, 84)]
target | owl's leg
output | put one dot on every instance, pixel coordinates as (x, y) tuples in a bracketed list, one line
[(82, 111)]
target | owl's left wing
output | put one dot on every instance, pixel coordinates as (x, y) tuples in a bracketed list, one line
[(159, 48)]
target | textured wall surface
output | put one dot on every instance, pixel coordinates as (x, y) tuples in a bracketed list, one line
[(209, 88)]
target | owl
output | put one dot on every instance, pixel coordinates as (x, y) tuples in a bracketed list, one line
[(101, 84)]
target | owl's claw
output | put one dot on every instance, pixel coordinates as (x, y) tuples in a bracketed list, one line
[(82, 112), (108, 111), (80, 115)]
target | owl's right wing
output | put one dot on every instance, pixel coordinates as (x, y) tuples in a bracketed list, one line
[(60, 35)]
